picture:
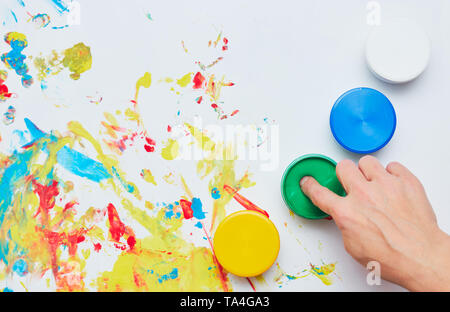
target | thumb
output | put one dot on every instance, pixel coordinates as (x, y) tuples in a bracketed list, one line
[(320, 196)]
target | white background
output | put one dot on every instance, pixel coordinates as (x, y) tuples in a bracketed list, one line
[(290, 60)]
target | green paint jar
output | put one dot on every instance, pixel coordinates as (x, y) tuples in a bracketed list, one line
[(321, 168)]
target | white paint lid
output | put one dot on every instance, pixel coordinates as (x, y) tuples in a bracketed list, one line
[(397, 51)]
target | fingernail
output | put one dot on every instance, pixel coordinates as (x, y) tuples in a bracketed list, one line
[(303, 180)]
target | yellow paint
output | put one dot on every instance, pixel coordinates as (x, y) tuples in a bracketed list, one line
[(108, 161), (16, 36), (323, 272), (246, 243), (141, 269), (171, 149), (166, 80), (221, 165), (78, 59), (131, 115), (169, 178), (48, 65), (185, 80), (145, 81), (149, 205), (148, 176), (203, 141)]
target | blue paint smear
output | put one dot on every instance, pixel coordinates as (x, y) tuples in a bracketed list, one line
[(16, 60), (71, 160), (20, 267), (17, 170), (60, 6), (14, 15), (199, 225), (169, 214), (6, 289), (81, 165), (60, 27), (21, 2), (215, 193), (197, 208), (168, 276)]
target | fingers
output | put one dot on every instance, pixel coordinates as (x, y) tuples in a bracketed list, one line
[(322, 197), (349, 175), (398, 170), (371, 168)]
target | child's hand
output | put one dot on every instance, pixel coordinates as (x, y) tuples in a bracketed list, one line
[(387, 217)]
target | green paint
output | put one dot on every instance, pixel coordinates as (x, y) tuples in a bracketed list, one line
[(320, 167)]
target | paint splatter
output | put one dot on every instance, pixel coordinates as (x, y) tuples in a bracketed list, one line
[(4, 91), (170, 150), (244, 201), (9, 116), (147, 175), (323, 272), (40, 20), (215, 193), (15, 59), (78, 60)]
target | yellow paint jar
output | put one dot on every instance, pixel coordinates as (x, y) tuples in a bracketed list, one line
[(246, 243)]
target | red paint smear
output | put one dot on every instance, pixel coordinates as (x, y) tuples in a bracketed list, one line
[(199, 100), (149, 148), (150, 141), (4, 92), (97, 247), (222, 274), (198, 80), (169, 128), (117, 228), (138, 280), (251, 284), (225, 40), (235, 112), (187, 210), (69, 205), (244, 201), (47, 194), (131, 241), (224, 48), (72, 239), (214, 106)]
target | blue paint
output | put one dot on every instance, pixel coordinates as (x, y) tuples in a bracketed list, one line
[(60, 27), (169, 214), (215, 193), (16, 60), (71, 160), (128, 187), (20, 267), (60, 6), (199, 225), (21, 3), (81, 165), (197, 208), (168, 276), (6, 289), (12, 174), (45, 20), (14, 15)]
